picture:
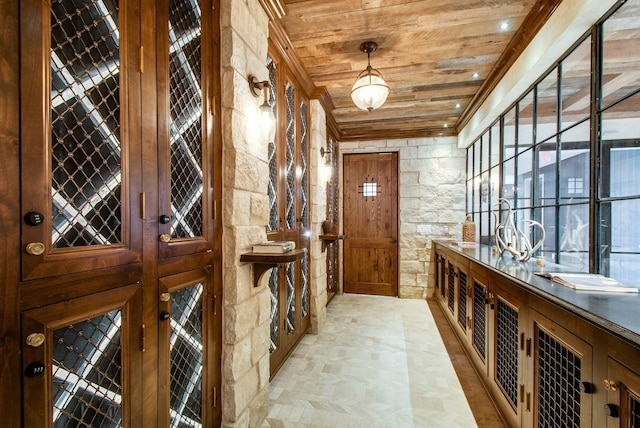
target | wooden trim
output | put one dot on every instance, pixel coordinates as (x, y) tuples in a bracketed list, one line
[(275, 9), (322, 94), (397, 134), (532, 24), (10, 370), (281, 43)]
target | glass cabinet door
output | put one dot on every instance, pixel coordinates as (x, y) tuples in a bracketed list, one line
[(81, 360), (79, 136)]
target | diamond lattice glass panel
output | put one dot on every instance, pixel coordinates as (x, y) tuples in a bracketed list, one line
[(305, 285), (272, 188), (85, 123), (87, 370), (273, 315), (330, 186), (291, 297), (186, 357), (304, 170), (634, 411), (185, 126), (507, 351), (479, 318), (443, 277), (452, 278), (462, 300), (290, 170), (559, 374)]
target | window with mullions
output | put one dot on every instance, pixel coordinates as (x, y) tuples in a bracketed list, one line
[(541, 158)]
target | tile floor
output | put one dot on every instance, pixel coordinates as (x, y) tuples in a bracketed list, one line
[(378, 362)]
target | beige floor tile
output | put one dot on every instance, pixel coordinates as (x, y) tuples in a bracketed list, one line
[(378, 362)]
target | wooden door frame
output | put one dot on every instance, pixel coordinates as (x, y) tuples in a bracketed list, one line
[(341, 155)]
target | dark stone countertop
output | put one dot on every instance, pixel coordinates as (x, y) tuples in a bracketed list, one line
[(615, 312)]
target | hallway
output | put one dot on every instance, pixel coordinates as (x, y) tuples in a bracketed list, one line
[(378, 362)]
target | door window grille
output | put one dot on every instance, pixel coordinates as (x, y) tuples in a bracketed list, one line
[(186, 349), (507, 351), (291, 297), (185, 127), (273, 314), (634, 411), (462, 300), (290, 170), (443, 277), (452, 287), (479, 318), (304, 264), (272, 188), (85, 123), (87, 370), (559, 375)]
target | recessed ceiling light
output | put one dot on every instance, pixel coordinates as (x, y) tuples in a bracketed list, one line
[(445, 126), (475, 75), (505, 25), (457, 105)]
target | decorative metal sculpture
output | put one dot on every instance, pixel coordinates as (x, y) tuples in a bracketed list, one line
[(511, 239)]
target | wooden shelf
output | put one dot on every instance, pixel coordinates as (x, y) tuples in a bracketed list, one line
[(328, 238), (263, 262)]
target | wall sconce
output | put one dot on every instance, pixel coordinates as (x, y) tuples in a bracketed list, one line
[(267, 118), (370, 90), (327, 168)]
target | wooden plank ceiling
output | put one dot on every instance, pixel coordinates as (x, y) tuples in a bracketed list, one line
[(428, 52)]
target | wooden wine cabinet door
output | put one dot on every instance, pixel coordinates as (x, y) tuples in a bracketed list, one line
[(562, 366), (188, 337), (80, 136), (623, 396), (82, 361)]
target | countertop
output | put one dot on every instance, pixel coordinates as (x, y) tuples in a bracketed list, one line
[(615, 312)]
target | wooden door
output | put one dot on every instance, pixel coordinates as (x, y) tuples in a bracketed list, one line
[(289, 218), (80, 137), (371, 224), (82, 361)]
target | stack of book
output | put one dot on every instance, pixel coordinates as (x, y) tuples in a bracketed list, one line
[(274, 247)]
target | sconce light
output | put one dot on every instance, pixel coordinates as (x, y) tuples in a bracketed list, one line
[(370, 90), (327, 169), (267, 119)]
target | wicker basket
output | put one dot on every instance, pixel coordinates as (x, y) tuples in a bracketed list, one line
[(468, 230)]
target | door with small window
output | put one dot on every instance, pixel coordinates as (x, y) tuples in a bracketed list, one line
[(371, 223)]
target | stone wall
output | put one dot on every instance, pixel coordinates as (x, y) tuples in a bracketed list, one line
[(431, 196), (318, 200), (245, 212)]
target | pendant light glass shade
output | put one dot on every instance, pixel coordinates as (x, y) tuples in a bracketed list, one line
[(370, 90)]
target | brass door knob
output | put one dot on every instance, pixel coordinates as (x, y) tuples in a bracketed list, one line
[(165, 237), (610, 385), (165, 297), (35, 339), (35, 248)]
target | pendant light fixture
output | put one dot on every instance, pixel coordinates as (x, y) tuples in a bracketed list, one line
[(370, 90)]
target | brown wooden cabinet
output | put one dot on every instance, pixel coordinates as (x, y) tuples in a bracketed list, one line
[(289, 213), (622, 387), (544, 364), (120, 252)]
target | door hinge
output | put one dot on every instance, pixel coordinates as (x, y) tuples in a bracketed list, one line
[(143, 207), (141, 59), (521, 393), (213, 300), (215, 209), (213, 105), (528, 347), (213, 396), (142, 338), (522, 341)]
